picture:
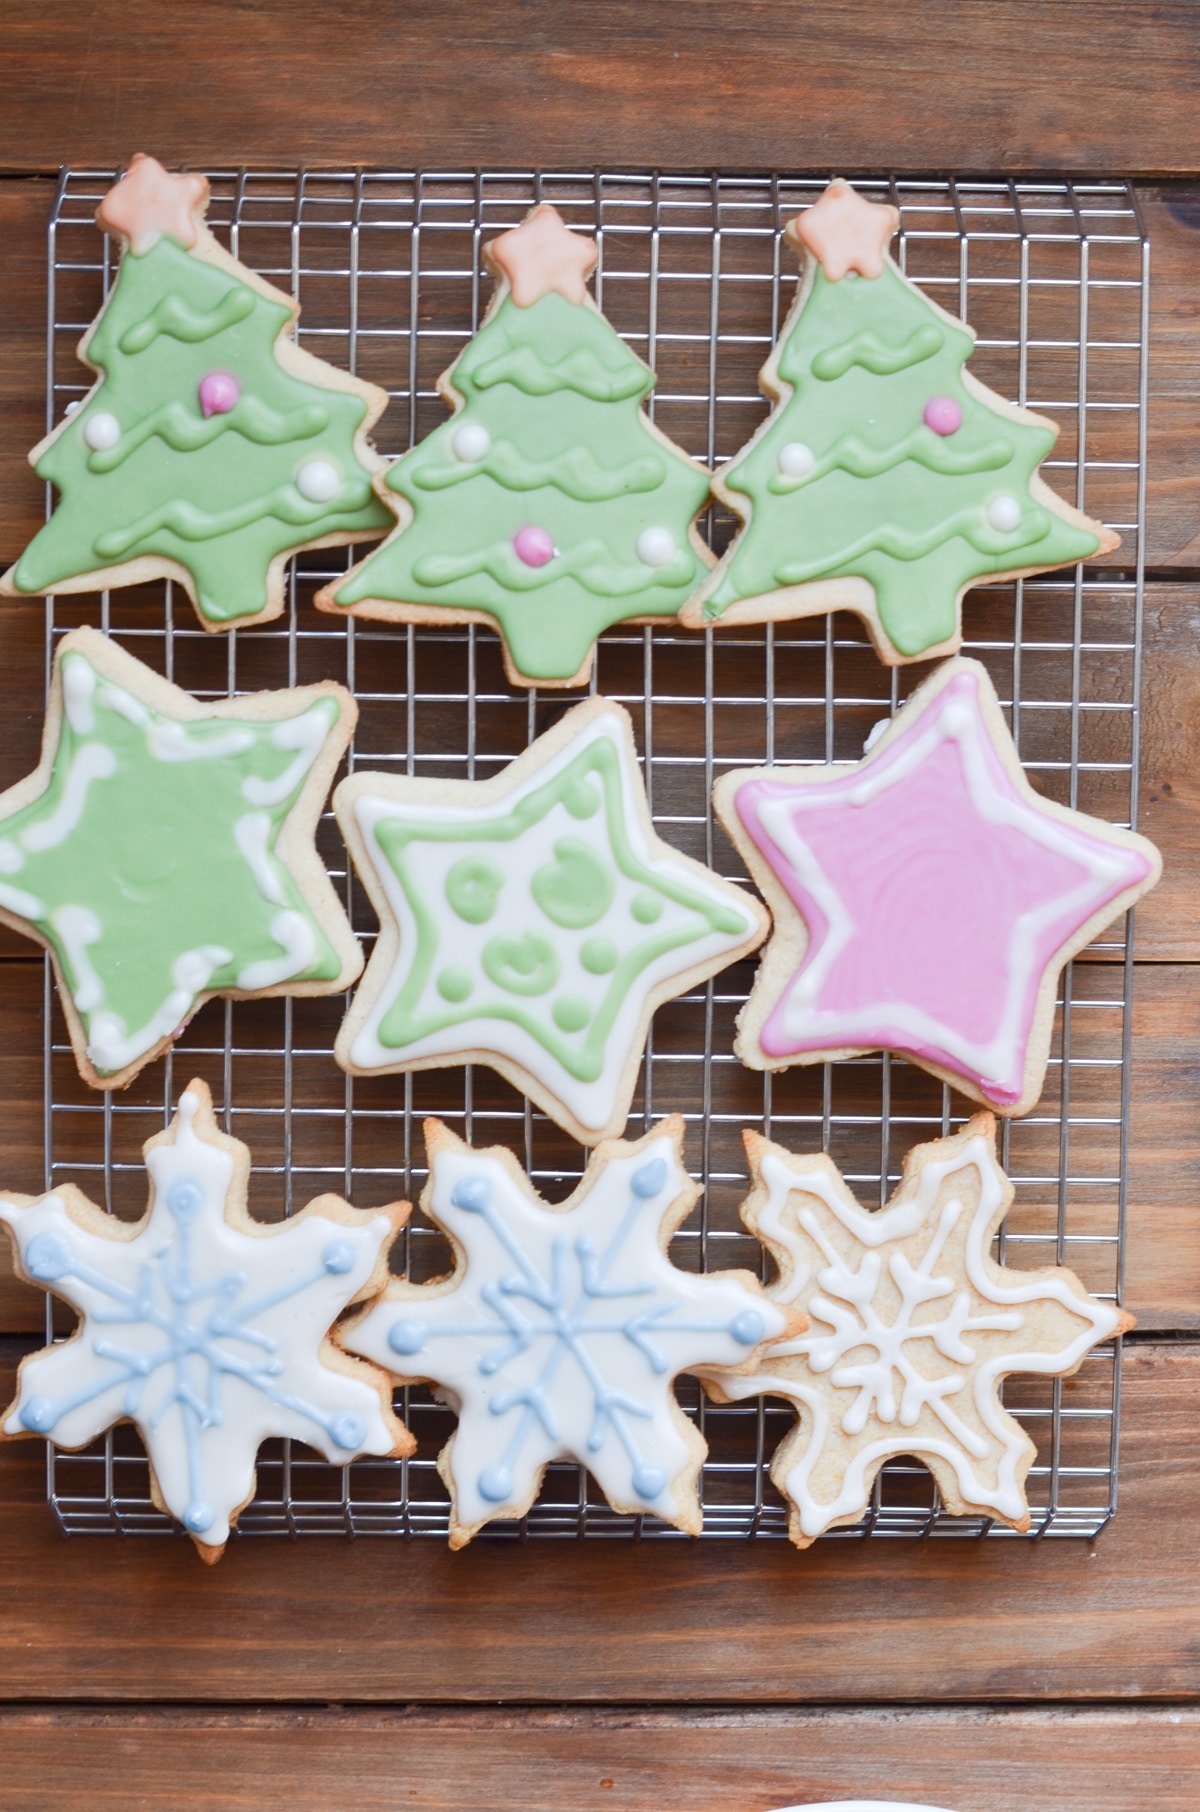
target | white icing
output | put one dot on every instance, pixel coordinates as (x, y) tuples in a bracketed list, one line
[(471, 443), (78, 927), (11, 859), (318, 480), (656, 546), (564, 1331), (1004, 513), (306, 734), (206, 1337), (92, 761), (23, 905), (78, 689), (591, 1100), (172, 741), (252, 833), (796, 460), (125, 705), (298, 939), (101, 431), (840, 1298), (110, 1047), (874, 733)]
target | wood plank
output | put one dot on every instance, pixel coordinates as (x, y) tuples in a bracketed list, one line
[(1123, 1759), (1168, 928), (614, 1623), (943, 85)]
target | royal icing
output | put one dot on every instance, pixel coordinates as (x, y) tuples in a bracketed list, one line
[(561, 1331), (205, 1335), (913, 1328), (883, 465), (938, 894), (535, 918), (532, 505), (152, 860), (197, 447)]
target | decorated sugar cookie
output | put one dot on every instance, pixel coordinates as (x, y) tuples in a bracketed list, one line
[(205, 1328), (532, 922), (549, 507), (562, 1329), (913, 1328), (887, 479), (211, 447), (925, 899), (163, 851)]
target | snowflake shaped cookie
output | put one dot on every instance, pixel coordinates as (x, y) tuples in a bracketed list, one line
[(532, 922), (206, 1329), (926, 899), (913, 1327), (163, 851), (561, 1330)]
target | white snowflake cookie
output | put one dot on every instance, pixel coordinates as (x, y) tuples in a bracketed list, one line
[(562, 1329), (206, 1329), (913, 1327), (532, 922)]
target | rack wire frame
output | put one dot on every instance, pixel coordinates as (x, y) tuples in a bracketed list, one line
[(1054, 276)]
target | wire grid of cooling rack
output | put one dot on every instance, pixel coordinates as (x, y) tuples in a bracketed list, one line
[(387, 267)]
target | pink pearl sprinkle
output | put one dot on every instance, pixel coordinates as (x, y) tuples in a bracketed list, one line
[(533, 545), (943, 415), (218, 393)]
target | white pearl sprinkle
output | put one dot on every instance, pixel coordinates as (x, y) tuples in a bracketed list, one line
[(656, 547), (796, 460), (101, 431), (1004, 513), (471, 443), (318, 480)]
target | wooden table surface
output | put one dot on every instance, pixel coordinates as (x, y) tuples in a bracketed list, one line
[(987, 1677)]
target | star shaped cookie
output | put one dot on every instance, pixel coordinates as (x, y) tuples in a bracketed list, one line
[(163, 851), (845, 232), (532, 922), (925, 900), (562, 1330), (913, 1328), (207, 1330), (543, 254), (150, 201)]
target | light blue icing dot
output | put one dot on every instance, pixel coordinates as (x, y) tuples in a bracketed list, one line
[(649, 1481), (39, 1415), (406, 1336), (495, 1484), (185, 1199), (472, 1195), (338, 1257), (647, 1181), (348, 1431), (747, 1328), (599, 955), (646, 907), (47, 1257), (198, 1518), (570, 1013)]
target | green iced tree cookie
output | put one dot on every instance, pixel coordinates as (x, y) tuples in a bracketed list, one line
[(212, 447), (549, 506), (888, 479)]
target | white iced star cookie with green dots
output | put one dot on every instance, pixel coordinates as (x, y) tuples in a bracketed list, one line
[(163, 851), (562, 1329), (532, 922), (205, 1328), (914, 1327)]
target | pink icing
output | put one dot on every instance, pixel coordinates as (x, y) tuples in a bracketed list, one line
[(931, 925), (533, 545), (943, 415), (219, 391)]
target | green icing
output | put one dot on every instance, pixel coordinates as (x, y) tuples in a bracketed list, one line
[(133, 863), (473, 887), (576, 888), (217, 495), (864, 359), (571, 452), (525, 965)]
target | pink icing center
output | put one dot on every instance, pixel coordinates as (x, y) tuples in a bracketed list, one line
[(219, 391), (943, 415), (533, 546)]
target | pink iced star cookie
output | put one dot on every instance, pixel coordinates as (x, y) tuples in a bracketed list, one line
[(925, 899)]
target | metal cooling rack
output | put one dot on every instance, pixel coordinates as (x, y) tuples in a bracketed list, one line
[(1054, 277)]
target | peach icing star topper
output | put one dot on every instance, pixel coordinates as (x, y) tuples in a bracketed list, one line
[(845, 232), (150, 201), (543, 254)]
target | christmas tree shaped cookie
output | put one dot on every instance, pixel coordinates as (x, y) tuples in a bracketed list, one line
[(925, 899), (549, 506), (532, 922), (211, 447), (913, 1327), (562, 1330), (887, 479), (208, 1330), (163, 851)]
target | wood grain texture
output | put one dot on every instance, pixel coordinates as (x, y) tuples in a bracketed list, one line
[(1124, 1760), (607, 1622), (1051, 87)]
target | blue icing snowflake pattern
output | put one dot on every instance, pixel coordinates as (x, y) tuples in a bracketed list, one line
[(564, 1334)]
